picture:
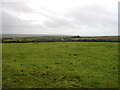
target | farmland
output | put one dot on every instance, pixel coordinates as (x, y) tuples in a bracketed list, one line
[(54, 38), (60, 65)]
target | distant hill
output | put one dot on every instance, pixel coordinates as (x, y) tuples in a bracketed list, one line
[(56, 38)]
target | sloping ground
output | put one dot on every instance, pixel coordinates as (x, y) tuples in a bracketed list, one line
[(60, 65)]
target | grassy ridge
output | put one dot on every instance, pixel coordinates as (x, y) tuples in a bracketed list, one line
[(60, 64)]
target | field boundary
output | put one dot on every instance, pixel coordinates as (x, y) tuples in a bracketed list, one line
[(53, 41)]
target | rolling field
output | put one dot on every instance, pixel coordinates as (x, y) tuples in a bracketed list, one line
[(60, 65)]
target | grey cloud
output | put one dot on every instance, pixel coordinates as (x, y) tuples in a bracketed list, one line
[(20, 7), (87, 20), (12, 24), (0, 16), (22, 29), (9, 20), (97, 20), (92, 16), (57, 22)]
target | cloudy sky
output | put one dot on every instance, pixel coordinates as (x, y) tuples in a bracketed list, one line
[(65, 17)]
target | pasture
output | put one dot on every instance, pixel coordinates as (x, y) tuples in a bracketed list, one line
[(60, 65)]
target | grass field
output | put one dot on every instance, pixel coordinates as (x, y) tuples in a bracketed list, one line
[(60, 65)]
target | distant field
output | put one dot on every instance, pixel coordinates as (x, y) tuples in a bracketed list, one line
[(60, 65), (38, 38), (41, 37), (112, 38)]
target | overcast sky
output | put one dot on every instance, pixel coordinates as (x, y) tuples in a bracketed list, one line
[(68, 17)]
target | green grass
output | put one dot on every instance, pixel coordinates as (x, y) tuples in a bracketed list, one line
[(60, 65)]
